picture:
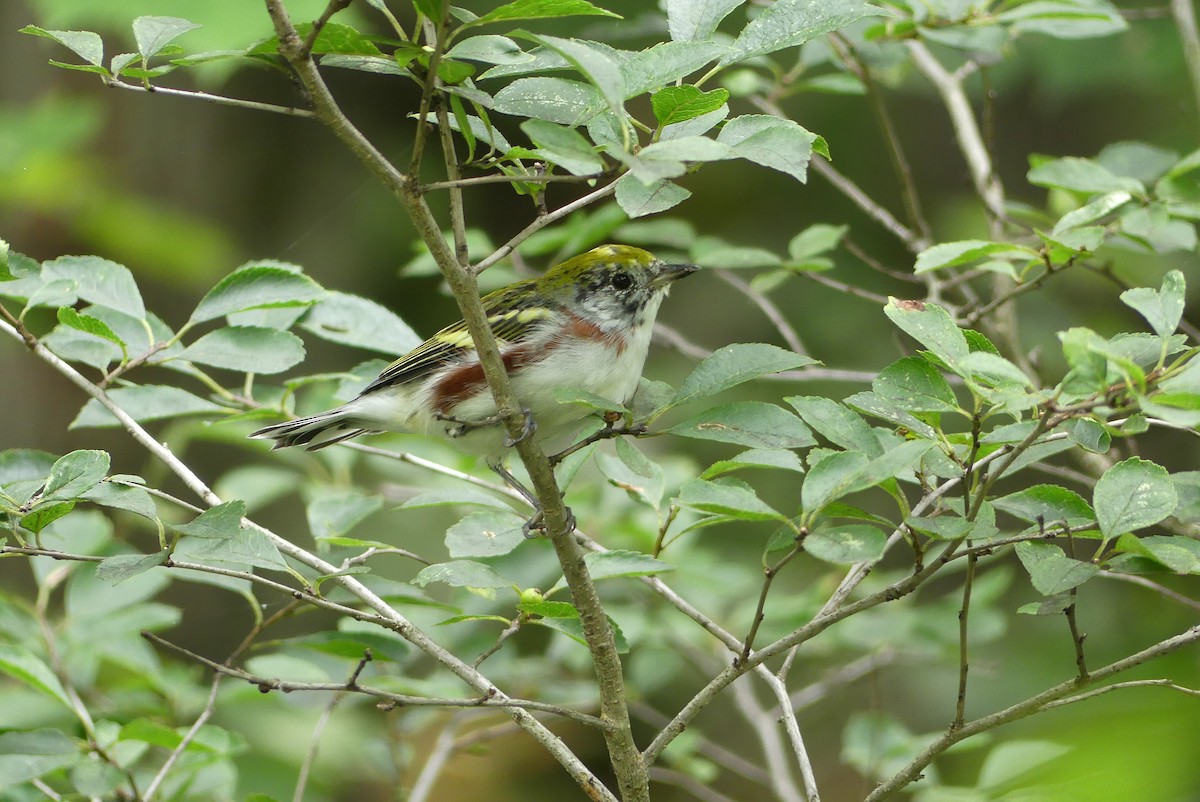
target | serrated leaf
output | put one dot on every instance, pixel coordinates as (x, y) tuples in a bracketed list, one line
[(45, 515), (666, 63), (749, 423), (788, 23), (257, 287), (601, 71), (75, 474), (1050, 570), (1162, 308), (144, 403), (954, 254), (350, 320), (217, 535), (117, 569), (1092, 211), (152, 34), (930, 325), (638, 199), (734, 364), (540, 9), (89, 325), (253, 349), (914, 385), (1047, 503), (736, 501), (485, 534), (99, 281), (85, 44), (558, 100), (461, 574), (1132, 495), (615, 563), (836, 423), (847, 544), (1082, 175), (563, 146), (675, 104), (696, 20), (756, 458), (772, 142), (815, 240), (830, 479)]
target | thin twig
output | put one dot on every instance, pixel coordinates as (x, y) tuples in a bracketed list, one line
[(1184, 13), (730, 761), (443, 748), (769, 573), (332, 8), (504, 178), (267, 684), (842, 286), (314, 742), (688, 783), (508, 632), (1120, 686), (768, 308), (290, 111), (1162, 590), (960, 706), (764, 726)]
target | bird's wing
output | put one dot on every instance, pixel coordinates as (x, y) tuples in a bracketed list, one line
[(511, 313)]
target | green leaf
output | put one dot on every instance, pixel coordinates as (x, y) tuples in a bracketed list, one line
[(461, 574), (145, 403), (666, 63), (1050, 570), (485, 534), (489, 49), (788, 23), (615, 563), (253, 349), (74, 475), (540, 9), (1090, 435), (455, 497), (23, 666), (697, 20), (838, 424), (85, 44), (875, 405), (734, 500), (638, 199), (1092, 211), (1132, 495), (815, 240), (734, 364), (574, 395), (1163, 308), (930, 325), (5, 273), (257, 287), (847, 544), (126, 566), (350, 320), (914, 385), (88, 325), (43, 516), (152, 34), (830, 479), (563, 146), (99, 281), (602, 71), (773, 142), (217, 535), (25, 756), (549, 609), (749, 423), (953, 254), (1065, 20), (1012, 760), (756, 458), (336, 513), (555, 99), (573, 629), (1081, 175), (632, 472), (1046, 503)]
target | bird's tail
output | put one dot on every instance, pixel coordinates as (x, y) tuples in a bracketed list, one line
[(302, 431)]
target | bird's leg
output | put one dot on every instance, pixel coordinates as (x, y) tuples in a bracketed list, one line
[(536, 522)]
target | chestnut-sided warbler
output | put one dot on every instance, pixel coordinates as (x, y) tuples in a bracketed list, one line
[(584, 325)]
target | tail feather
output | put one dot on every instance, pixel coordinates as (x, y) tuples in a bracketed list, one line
[(302, 431)]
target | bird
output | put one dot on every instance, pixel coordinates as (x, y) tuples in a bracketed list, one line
[(585, 324)]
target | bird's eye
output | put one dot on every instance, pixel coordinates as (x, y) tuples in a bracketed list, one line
[(622, 281)]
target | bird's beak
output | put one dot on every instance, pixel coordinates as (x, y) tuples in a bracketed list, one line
[(672, 273)]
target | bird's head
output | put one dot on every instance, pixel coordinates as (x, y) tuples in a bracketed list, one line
[(613, 285)]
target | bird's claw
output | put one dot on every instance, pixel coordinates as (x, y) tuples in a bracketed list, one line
[(528, 427), (536, 525)]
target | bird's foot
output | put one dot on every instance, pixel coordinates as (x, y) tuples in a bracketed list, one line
[(536, 525)]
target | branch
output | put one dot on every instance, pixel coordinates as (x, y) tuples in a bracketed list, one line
[(267, 684), (503, 178), (768, 308), (290, 111), (1025, 708), (1185, 19)]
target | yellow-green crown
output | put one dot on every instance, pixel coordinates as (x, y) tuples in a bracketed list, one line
[(598, 259)]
